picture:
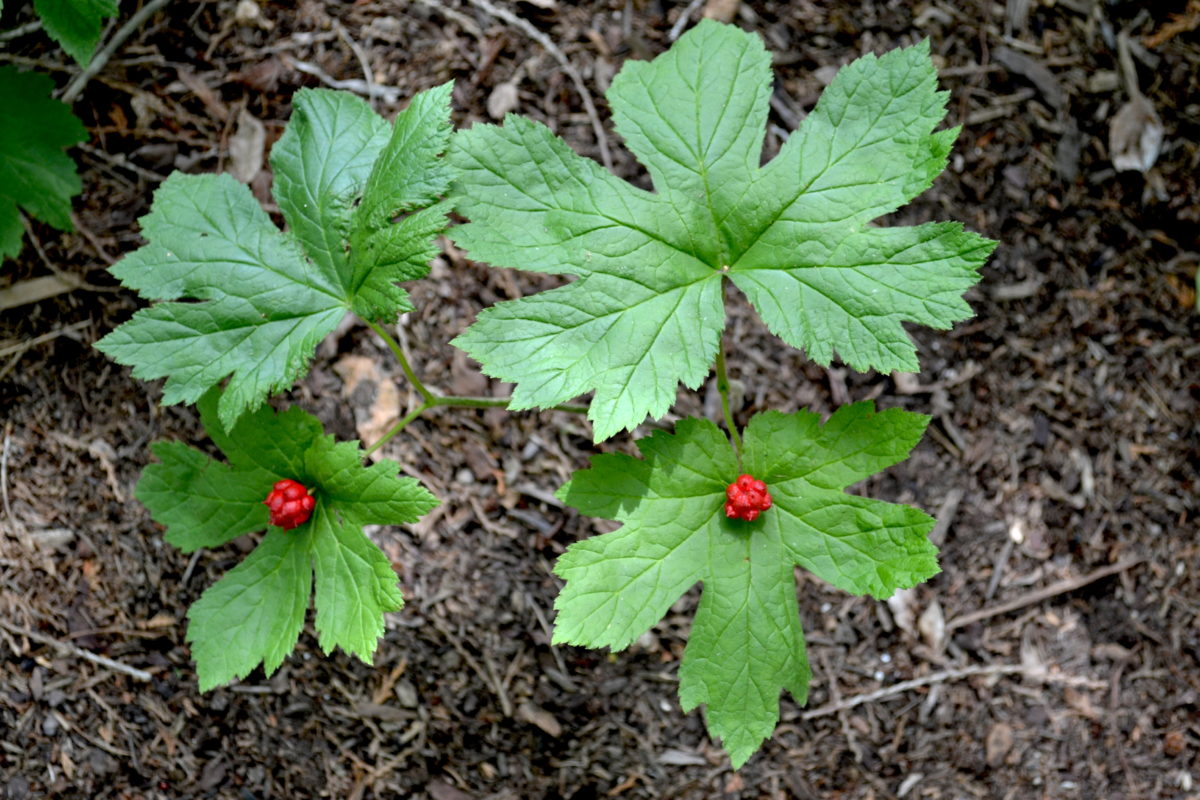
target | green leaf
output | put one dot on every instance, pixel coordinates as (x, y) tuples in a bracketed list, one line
[(793, 235), (252, 615), (264, 305), (35, 174), (629, 333), (321, 164), (263, 299), (355, 586), (75, 24), (405, 182), (205, 503), (202, 503), (746, 642)]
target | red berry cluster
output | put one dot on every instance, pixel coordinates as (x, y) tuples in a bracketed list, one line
[(747, 498), (290, 504)]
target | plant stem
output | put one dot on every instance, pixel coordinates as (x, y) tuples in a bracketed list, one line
[(458, 401), (428, 396), (453, 401), (723, 389), (430, 400), (399, 426)]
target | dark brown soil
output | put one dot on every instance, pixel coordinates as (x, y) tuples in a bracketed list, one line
[(1065, 440)]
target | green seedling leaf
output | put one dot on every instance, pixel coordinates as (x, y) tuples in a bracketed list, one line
[(646, 312), (746, 642), (255, 612), (35, 174), (75, 24), (265, 297)]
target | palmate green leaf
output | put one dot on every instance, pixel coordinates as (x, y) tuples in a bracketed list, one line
[(35, 174), (75, 24), (646, 312), (265, 297), (746, 642), (255, 612)]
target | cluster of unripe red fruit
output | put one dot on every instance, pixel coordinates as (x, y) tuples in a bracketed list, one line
[(746, 498), (290, 504)]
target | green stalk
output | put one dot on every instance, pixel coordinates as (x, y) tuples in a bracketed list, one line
[(398, 352), (431, 400), (399, 426), (453, 401), (457, 401), (723, 389)]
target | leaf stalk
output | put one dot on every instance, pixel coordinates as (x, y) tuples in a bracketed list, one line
[(398, 352), (723, 390), (429, 399)]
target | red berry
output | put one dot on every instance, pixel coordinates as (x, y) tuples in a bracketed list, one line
[(746, 498), (290, 504)]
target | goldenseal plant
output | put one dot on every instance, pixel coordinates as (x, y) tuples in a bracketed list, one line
[(737, 510), (242, 305), (261, 301)]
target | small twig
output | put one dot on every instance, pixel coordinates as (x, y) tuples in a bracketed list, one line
[(1129, 75), (454, 15), (75, 87), (681, 23), (836, 693), (1053, 590), (17, 351), (363, 60), (72, 281), (951, 675), (21, 30), (998, 568), (551, 48), (21, 347), (945, 515), (488, 676), (104, 661), (121, 161), (389, 94), (4, 472), (191, 567)]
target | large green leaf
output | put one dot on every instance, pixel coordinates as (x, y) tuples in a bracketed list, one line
[(646, 312), (265, 297), (254, 613), (746, 642), (35, 174)]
